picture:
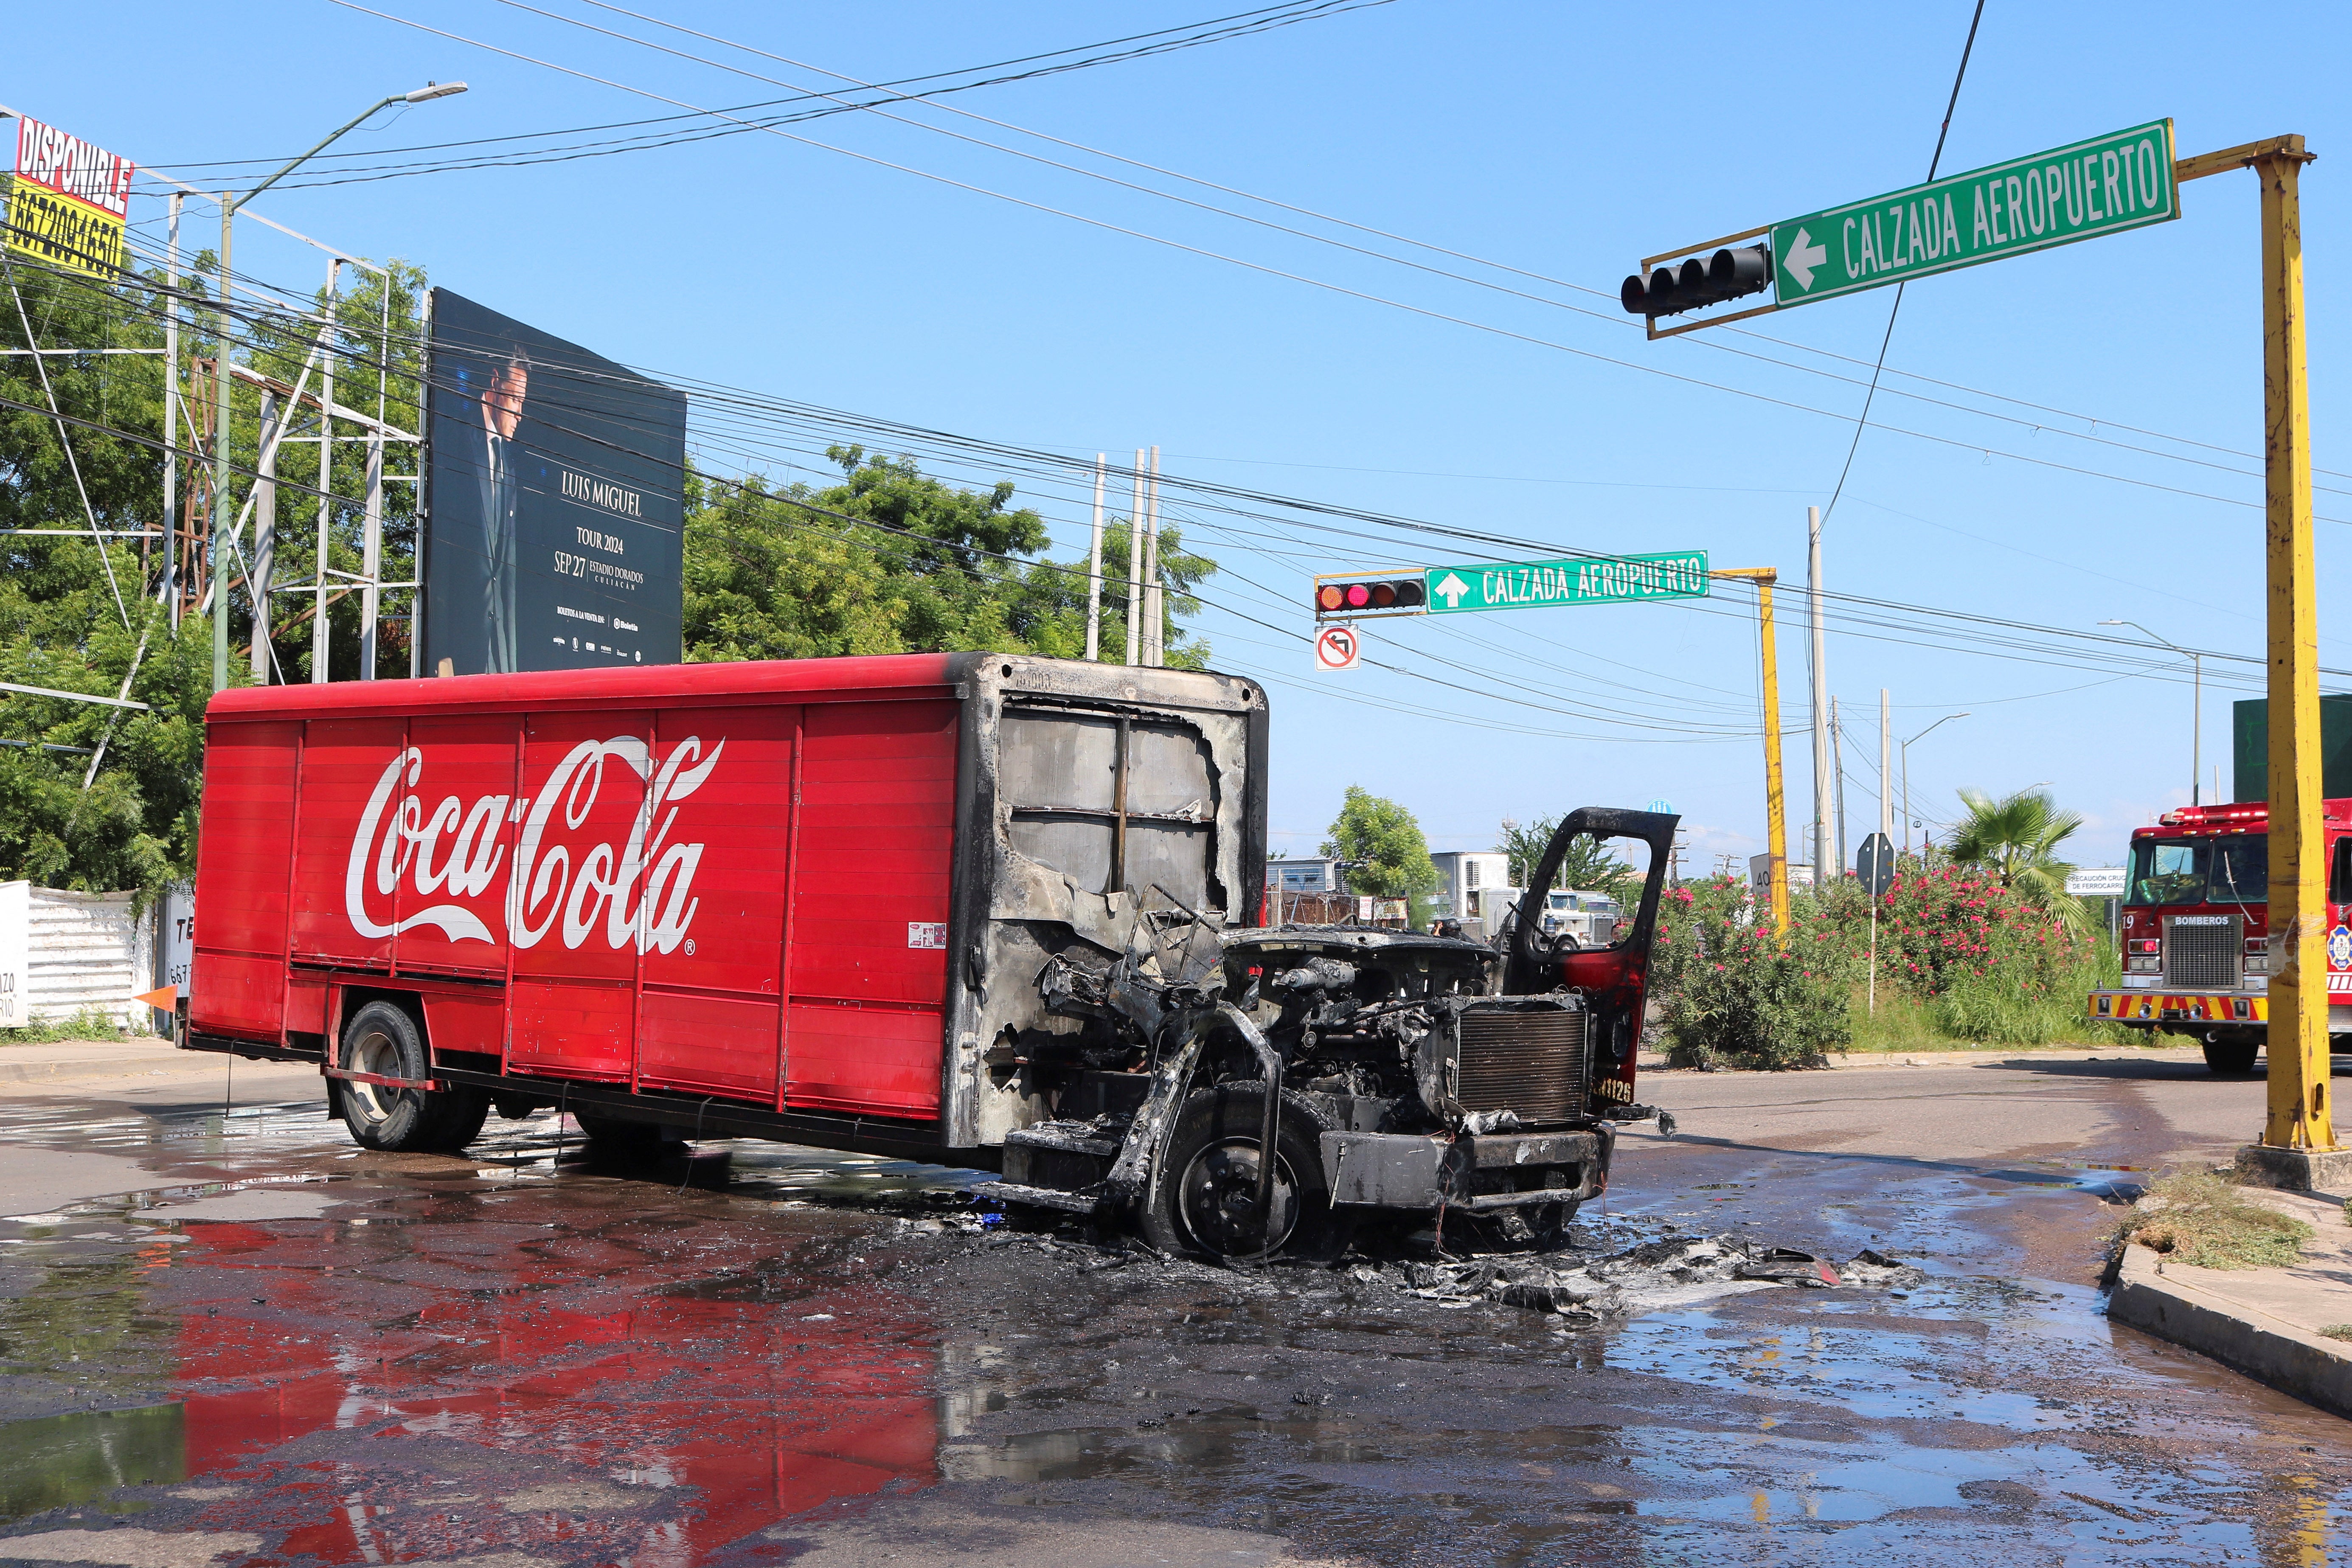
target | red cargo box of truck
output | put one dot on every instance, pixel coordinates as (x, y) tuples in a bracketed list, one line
[(799, 897)]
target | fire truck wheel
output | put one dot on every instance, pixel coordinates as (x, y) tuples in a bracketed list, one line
[(2232, 1054), (1206, 1201), (383, 1040)]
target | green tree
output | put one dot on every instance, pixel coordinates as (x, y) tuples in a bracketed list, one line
[(892, 561), (78, 615), (1388, 856), (1587, 865), (2015, 839)]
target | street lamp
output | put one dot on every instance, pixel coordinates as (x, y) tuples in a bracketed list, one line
[(230, 202), (1906, 781), (2197, 704)]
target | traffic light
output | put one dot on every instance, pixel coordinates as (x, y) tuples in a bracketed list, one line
[(1726, 275), (1372, 596)]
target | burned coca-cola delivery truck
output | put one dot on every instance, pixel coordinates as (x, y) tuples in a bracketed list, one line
[(983, 909)]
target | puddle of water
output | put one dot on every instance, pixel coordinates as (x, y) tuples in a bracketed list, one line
[(652, 1376)]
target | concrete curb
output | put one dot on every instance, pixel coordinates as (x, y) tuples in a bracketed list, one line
[(2245, 1338)]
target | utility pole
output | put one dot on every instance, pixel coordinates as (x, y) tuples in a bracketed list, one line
[(171, 412), (1885, 769), (2196, 709), (2300, 1117), (1907, 786), (320, 662), (265, 532), (1154, 626), (1820, 696), (1776, 815), (1094, 570), (1837, 783), (1135, 566)]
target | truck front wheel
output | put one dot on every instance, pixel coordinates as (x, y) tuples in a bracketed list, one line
[(2232, 1054), (1205, 1200), (383, 1041)]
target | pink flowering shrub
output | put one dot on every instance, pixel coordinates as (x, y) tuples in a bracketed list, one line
[(1987, 963), (1727, 990)]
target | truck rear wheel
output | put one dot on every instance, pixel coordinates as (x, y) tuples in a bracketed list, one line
[(383, 1040), (623, 1137), (1206, 1197), (2233, 1054)]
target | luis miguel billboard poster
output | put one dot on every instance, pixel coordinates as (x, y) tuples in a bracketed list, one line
[(554, 534)]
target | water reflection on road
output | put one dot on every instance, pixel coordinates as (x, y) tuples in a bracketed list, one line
[(303, 1353)]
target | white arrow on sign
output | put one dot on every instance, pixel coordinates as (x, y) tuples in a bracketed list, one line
[(1803, 257), (1452, 589)]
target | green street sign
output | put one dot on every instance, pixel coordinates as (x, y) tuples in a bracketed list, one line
[(1578, 579), (2105, 185)]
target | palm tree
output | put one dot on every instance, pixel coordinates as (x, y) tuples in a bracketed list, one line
[(2016, 838)]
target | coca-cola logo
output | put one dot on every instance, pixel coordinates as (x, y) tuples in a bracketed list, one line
[(640, 892)]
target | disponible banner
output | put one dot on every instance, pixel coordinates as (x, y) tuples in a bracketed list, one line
[(554, 504), (68, 200)]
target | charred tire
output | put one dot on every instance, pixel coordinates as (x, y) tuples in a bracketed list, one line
[(2230, 1054), (1206, 1188), (383, 1039), (618, 1135)]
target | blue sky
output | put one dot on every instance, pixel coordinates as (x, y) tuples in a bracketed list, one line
[(1565, 141)]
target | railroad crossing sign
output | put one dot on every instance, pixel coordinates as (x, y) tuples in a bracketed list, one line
[(1339, 648), (2105, 185), (1577, 580)]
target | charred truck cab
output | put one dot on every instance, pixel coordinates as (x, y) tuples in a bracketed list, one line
[(976, 909), (2196, 931), (1388, 1070)]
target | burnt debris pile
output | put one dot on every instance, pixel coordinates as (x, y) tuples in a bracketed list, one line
[(1672, 1272)]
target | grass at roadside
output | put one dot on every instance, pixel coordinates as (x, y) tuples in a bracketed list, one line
[(90, 1026), (2206, 1221), (1981, 1022)]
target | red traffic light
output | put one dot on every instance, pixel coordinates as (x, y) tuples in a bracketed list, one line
[(1727, 275), (1373, 595)]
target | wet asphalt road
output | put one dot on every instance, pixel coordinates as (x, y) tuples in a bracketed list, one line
[(242, 1342)]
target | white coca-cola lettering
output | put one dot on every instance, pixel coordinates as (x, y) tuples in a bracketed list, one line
[(458, 924), (640, 893)]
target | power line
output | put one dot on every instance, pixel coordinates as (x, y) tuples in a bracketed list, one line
[(1320, 283), (1222, 498)]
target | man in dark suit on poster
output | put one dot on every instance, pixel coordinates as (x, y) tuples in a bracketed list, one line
[(502, 495), (554, 502)]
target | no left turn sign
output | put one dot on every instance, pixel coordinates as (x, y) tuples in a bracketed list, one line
[(1337, 648)]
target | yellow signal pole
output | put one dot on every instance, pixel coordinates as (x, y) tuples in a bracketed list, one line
[(2299, 1113), (1776, 822), (2300, 1119)]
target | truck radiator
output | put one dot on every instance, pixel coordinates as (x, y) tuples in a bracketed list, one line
[(2203, 951), (1529, 1060)]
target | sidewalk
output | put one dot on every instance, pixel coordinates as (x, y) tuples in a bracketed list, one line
[(69, 1064), (90, 1058), (2265, 1322)]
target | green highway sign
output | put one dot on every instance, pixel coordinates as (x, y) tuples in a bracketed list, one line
[(2103, 185), (1578, 579)]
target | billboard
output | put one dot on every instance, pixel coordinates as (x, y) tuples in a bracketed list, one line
[(68, 200), (554, 528)]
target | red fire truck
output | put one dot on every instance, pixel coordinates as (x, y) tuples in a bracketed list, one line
[(2196, 930), (974, 909)]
